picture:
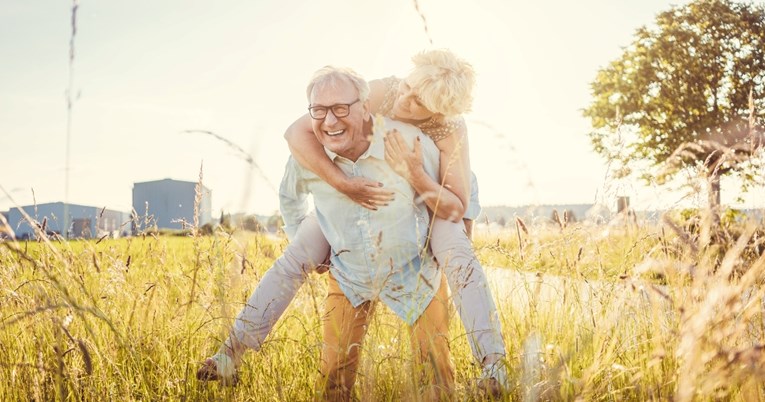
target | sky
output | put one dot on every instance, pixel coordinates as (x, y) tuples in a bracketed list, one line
[(145, 73)]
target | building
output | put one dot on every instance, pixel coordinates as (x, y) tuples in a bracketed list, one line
[(69, 220), (169, 204), (5, 215)]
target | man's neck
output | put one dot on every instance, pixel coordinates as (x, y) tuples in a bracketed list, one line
[(362, 143)]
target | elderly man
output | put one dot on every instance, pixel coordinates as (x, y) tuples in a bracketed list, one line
[(376, 255)]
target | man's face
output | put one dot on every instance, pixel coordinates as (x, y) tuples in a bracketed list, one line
[(342, 135)]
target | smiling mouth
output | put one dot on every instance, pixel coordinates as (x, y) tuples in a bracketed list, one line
[(334, 133)]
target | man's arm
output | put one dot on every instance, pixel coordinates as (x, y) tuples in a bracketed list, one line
[(293, 198)]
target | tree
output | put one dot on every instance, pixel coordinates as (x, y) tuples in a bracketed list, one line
[(501, 221), (252, 224), (224, 222), (688, 90), (275, 222)]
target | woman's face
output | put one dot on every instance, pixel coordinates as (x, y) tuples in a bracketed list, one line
[(408, 105)]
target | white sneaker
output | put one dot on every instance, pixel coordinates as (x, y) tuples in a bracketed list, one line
[(494, 379), (219, 367)]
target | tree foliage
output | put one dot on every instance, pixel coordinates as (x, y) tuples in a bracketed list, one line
[(692, 79)]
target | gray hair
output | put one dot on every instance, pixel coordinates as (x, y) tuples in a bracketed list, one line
[(332, 74)]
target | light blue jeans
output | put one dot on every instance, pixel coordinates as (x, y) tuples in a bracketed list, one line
[(452, 249)]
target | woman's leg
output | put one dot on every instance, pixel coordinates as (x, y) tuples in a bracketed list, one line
[(276, 289), (470, 289), (468, 228)]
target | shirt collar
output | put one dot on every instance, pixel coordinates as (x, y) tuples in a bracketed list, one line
[(376, 148)]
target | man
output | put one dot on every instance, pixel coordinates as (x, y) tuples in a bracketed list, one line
[(376, 255)]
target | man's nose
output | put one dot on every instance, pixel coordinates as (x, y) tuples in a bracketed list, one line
[(330, 118)]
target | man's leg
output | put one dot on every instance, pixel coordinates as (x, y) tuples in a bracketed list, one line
[(430, 345), (344, 331)]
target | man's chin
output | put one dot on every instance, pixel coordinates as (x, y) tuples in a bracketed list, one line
[(334, 142), (336, 148)]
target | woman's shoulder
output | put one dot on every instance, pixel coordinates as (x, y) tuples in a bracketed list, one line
[(440, 129), (384, 84)]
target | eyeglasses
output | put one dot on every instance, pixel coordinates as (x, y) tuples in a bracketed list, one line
[(339, 110)]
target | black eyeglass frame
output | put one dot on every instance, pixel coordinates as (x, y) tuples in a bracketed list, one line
[(325, 109)]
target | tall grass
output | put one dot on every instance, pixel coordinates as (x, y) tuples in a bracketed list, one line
[(582, 316)]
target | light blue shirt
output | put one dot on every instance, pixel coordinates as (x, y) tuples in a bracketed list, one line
[(375, 254)]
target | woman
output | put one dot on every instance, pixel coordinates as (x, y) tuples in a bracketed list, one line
[(432, 97), (439, 82)]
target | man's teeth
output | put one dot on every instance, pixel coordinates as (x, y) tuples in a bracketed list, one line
[(335, 132)]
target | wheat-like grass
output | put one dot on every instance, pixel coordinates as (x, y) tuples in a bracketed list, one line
[(80, 322)]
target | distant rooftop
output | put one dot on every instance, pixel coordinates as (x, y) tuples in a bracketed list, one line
[(59, 203), (165, 180)]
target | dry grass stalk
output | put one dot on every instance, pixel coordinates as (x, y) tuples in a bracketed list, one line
[(682, 234), (195, 233), (558, 220), (716, 349), (531, 371), (197, 200), (5, 228), (520, 226), (424, 21), (240, 152)]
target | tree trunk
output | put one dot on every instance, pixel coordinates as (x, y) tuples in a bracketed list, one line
[(713, 202)]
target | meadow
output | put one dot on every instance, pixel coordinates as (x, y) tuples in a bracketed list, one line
[(625, 311)]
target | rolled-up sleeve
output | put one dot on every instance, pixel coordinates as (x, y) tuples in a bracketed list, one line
[(293, 198), (474, 208)]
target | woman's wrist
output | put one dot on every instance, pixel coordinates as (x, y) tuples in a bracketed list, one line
[(418, 177)]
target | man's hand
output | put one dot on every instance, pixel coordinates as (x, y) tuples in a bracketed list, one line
[(404, 161), (367, 193)]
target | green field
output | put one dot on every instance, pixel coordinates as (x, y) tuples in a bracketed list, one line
[(612, 313)]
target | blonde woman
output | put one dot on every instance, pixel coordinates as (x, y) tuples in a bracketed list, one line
[(432, 97)]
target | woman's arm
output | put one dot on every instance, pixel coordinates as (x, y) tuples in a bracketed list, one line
[(448, 199), (310, 154), (307, 150)]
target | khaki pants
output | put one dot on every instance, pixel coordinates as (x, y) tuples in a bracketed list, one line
[(344, 330)]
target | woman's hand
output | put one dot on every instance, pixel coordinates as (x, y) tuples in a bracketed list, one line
[(407, 163), (367, 193)]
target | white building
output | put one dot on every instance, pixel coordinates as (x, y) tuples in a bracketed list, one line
[(169, 204), (69, 220)]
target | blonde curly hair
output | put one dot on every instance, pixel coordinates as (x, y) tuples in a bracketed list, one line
[(443, 81)]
